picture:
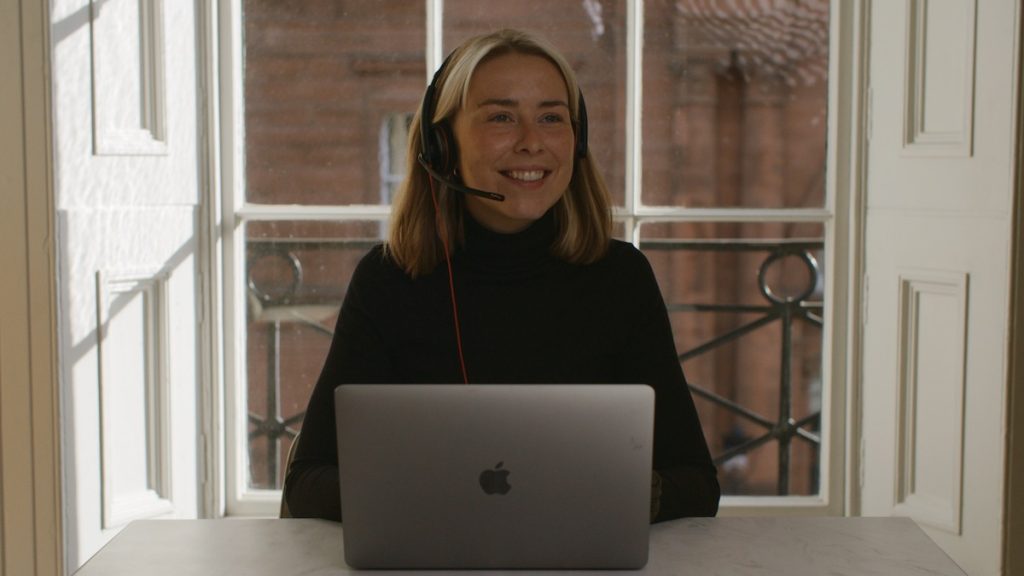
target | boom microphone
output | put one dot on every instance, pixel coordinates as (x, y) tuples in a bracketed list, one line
[(455, 185)]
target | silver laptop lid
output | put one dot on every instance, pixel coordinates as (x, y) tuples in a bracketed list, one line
[(495, 476)]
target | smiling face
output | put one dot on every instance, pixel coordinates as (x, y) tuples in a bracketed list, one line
[(515, 137)]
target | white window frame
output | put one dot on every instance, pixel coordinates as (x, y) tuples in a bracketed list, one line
[(228, 449)]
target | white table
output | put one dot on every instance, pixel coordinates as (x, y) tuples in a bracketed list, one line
[(704, 546)]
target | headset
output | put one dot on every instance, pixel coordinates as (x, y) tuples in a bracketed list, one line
[(439, 152)]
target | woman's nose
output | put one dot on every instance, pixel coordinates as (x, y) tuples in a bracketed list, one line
[(530, 140)]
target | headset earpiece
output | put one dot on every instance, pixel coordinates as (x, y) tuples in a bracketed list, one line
[(581, 127), (443, 149), (437, 143)]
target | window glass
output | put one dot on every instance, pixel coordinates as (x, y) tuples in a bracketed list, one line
[(321, 79), (592, 36), (735, 101), (296, 277), (392, 153), (745, 301)]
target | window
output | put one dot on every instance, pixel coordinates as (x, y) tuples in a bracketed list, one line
[(710, 121), (394, 134)]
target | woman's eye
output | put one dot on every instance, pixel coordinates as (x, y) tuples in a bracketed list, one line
[(501, 117), (552, 118)]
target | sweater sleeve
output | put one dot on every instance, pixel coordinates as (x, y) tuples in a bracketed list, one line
[(689, 480), (356, 355)]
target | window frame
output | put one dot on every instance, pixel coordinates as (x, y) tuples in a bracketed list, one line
[(226, 447)]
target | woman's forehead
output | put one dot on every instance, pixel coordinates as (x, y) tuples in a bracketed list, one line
[(511, 77)]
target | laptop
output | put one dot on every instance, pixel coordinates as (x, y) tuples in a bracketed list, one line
[(495, 476)]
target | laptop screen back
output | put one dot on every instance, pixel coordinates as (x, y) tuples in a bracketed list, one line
[(495, 476)]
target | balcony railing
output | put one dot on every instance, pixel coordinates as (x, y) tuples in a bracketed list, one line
[(779, 309), (290, 302)]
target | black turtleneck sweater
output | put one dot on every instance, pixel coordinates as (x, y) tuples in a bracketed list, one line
[(526, 317)]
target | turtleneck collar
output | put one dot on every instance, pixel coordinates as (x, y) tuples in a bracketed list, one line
[(485, 249)]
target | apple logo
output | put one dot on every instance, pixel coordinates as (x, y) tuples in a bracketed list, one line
[(495, 481)]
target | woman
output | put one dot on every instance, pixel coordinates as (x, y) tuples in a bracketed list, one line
[(500, 268)]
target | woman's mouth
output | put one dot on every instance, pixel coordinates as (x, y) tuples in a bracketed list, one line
[(524, 175)]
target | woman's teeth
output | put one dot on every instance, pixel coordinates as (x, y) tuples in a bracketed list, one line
[(525, 175)]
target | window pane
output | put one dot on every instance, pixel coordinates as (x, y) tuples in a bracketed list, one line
[(735, 103), (745, 304), (324, 83), (297, 274), (591, 34)]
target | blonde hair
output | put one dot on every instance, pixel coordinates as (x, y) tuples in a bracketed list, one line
[(582, 214)]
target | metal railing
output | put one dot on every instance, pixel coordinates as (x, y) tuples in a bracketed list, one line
[(273, 425), (785, 310)]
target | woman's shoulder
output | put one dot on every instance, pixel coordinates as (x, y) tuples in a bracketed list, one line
[(376, 267), (623, 272), (633, 274), (625, 257), (377, 261)]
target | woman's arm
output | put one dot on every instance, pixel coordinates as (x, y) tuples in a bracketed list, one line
[(686, 474)]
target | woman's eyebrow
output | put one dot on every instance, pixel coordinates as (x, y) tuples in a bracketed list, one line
[(511, 103)]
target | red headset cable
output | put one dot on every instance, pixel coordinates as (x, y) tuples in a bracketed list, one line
[(443, 233)]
